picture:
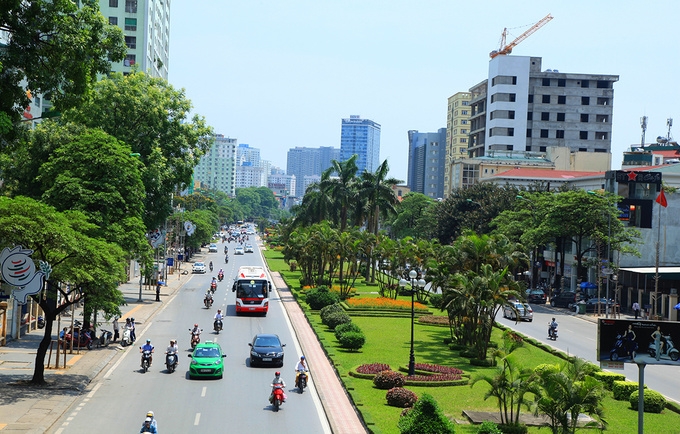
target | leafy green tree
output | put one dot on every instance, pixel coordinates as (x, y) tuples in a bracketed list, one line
[(81, 265), (563, 394), (206, 225), (150, 116), (413, 217), (426, 417), (58, 47)]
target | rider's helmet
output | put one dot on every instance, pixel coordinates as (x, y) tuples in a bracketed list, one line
[(196, 325), (219, 310), (149, 413), (278, 373), (302, 357), (148, 341)]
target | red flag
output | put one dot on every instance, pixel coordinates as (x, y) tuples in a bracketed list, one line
[(661, 199)]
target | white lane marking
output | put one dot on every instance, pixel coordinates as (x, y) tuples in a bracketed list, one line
[(59, 431), (197, 418), (94, 390), (203, 391)]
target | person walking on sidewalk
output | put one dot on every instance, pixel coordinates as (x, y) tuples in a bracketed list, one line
[(133, 336), (636, 309), (116, 328), (158, 291)]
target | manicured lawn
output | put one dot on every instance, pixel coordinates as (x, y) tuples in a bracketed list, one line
[(388, 341)]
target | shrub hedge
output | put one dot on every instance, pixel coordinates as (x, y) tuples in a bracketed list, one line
[(318, 298), (623, 389), (426, 417), (654, 402), (608, 378), (389, 379), (400, 397), (352, 340), (331, 308), (344, 328), (335, 319)]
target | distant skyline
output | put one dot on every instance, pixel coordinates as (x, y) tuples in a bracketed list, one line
[(277, 75)]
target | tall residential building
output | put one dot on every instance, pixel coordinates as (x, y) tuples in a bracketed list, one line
[(522, 108), (146, 25), (426, 162), (303, 162), (251, 171), (457, 132), (217, 168), (361, 137)]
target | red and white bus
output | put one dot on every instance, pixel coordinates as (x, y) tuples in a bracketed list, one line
[(252, 289)]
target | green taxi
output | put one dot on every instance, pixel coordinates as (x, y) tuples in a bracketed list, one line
[(206, 361)]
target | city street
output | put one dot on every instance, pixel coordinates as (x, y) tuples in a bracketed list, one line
[(578, 336), (238, 402)]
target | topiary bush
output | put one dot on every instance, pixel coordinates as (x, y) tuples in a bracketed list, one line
[(389, 379), (654, 402), (400, 397), (489, 427), (318, 298), (426, 417), (608, 378), (335, 319), (331, 308), (345, 328), (622, 389), (513, 429), (352, 340)]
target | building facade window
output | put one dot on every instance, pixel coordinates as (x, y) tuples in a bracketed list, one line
[(561, 99), (131, 42), (545, 99), (584, 117), (561, 82), (585, 100), (113, 3), (131, 6), (131, 24), (130, 60), (113, 21), (546, 82), (585, 83), (545, 116), (559, 134), (560, 117), (583, 135), (544, 134)]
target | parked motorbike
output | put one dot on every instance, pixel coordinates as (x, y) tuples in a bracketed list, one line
[(81, 340), (126, 339), (552, 332), (208, 301), (146, 360), (277, 396), (105, 339), (622, 349), (301, 382), (171, 362), (668, 349), (217, 326), (195, 338)]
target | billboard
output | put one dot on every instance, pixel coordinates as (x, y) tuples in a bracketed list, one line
[(638, 341)]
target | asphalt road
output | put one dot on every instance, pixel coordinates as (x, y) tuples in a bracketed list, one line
[(578, 336), (237, 403)]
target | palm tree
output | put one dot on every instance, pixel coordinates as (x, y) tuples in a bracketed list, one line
[(342, 187)]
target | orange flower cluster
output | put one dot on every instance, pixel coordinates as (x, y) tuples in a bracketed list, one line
[(383, 303)]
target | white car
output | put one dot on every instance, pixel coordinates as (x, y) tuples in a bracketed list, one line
[(239, 250), (198, 267), (212, 248), (249, 248), (523, 311)]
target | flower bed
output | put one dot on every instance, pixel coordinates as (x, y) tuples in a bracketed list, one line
[(384, 303), (426, 374), (373, 368), (434, 319), (438, 369)]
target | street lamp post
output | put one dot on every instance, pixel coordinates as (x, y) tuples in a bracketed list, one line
[(415, 283)]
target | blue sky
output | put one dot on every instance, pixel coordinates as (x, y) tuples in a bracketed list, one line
[(280, 74)]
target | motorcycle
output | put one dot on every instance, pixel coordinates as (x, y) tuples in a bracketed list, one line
[(146, 360), (226, 259), (171, 361), (41, 322), (208, 301), (220, 276), (277, 396), (126, 339), (301, 382), (213, 287), (81, 340), (552, 332), (622, 349), (105, 339), (668, 349), (217, 326), (211, 267), (195, 338)]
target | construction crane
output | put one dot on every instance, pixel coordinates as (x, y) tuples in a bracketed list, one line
[(507, 49)]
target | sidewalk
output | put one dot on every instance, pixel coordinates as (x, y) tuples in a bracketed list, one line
[(29, 409), (339, 409)]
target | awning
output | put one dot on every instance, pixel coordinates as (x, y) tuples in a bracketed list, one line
[(651, 271)]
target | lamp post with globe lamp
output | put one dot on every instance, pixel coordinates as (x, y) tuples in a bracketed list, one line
[(415, 281)]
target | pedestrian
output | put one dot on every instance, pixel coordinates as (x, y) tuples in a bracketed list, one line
[(133, 336), (636, 309), (116, 328), (158, 291), (658, 345)]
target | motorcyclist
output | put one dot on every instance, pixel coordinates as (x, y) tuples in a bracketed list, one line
[(172, 350), (300, 367), (147, 347), (226, 249), (196, 332), (213, 283), (211, 266), (147, 427), (209, 296), (277, 381), (220, 274), (218, 317), (149, 415), (552, 327), (226, 259)]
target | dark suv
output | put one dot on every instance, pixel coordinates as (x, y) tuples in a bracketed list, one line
[(563, 299)]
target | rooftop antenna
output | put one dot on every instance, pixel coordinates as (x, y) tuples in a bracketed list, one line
[(669, 122), (643, 125)]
